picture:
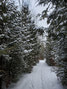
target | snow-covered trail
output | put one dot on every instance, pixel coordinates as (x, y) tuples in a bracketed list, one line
[(41, 78)]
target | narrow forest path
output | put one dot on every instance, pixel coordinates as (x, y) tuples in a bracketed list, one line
[(41, 78)]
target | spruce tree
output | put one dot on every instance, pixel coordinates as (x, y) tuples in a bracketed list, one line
[(31, 50), (10, 35), (58, 34)]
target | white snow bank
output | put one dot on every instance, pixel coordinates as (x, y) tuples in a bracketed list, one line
[(41, 78)]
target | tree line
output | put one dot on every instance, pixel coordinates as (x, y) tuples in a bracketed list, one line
[(56, 45), (19, 48)]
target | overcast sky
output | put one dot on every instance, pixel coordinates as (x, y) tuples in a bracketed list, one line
[(35, 9)]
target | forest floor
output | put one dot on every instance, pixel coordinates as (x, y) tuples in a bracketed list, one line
[(42, 77)]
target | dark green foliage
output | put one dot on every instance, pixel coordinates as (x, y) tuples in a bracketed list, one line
[(40, 31), (19, 49), (31, 46), (9, 35), (48, 53), (57, 33), (55, 2)]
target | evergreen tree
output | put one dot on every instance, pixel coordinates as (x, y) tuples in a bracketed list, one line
[(29, 40), (19, 49), (58, 34), (10, 32)]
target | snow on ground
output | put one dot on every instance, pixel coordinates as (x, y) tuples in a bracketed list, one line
[(41, 78)]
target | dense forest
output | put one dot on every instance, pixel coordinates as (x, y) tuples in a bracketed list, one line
[(56, 45), (19, 46)]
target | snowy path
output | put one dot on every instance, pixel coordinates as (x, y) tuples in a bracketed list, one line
[(41, 78)]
